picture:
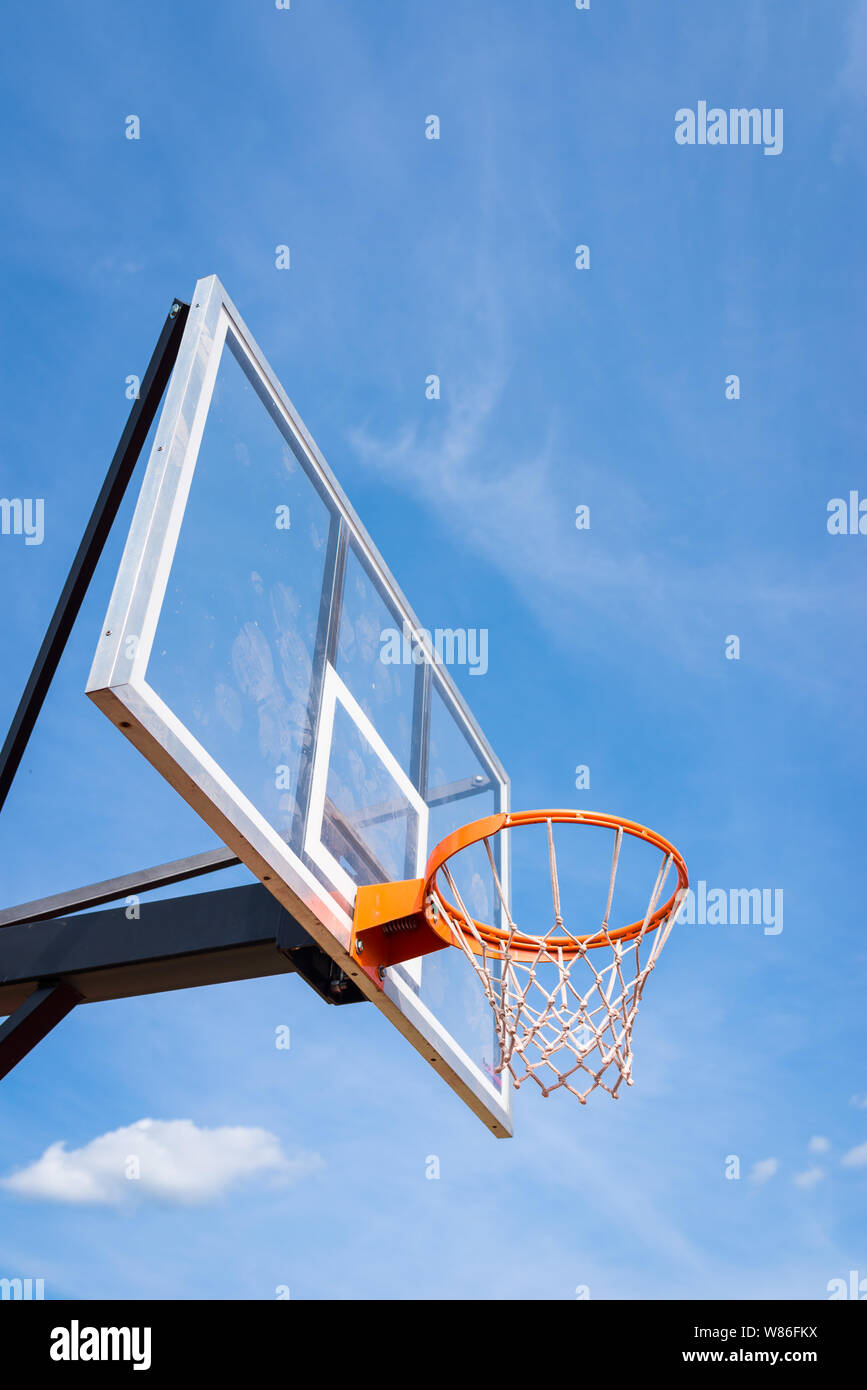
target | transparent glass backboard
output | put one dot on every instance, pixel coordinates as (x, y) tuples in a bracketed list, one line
[(259, 653)]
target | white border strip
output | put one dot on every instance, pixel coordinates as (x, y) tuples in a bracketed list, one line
[(335, 689)]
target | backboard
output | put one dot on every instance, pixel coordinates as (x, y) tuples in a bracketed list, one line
[(259, 653)]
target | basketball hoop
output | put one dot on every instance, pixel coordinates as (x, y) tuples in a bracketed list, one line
[(564, 1004)]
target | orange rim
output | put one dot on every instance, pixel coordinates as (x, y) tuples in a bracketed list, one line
[(522, 942)]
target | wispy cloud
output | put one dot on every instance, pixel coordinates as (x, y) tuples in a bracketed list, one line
[(818, 1144), (508, 495), (171, 1160), (855, 1158), (516, 510), (852, 85), (765, 1169), (809, 1178)]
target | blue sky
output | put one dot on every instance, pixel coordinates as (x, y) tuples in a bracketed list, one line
[(560, 387)]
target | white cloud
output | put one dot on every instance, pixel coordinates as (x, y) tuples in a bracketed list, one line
[(854, 70), (176, 1160), (855, 1158), (818, 1144), (808, 1178), (859, 1101), (850, 86), (764, 1169)]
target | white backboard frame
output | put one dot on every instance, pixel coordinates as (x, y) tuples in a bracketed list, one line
[(118, 685)]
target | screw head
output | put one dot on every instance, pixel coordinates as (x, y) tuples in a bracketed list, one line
[(359, 948), (381, 972)]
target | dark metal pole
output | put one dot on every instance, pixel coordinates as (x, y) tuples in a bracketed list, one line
[(141, 418), (30, 1023)]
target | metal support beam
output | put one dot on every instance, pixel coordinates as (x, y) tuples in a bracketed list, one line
[(32, 1021), (135, 433), (110, 890), (175, 943)]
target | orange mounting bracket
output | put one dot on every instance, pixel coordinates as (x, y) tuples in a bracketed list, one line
[(399, 921), (390, 925)]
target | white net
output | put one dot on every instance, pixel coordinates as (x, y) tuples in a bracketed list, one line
[(565, 1005)]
